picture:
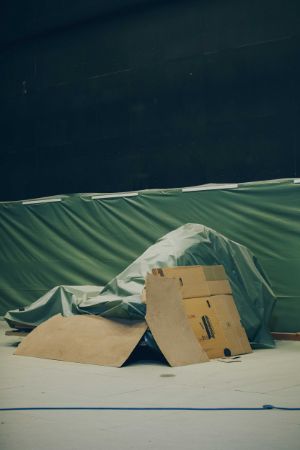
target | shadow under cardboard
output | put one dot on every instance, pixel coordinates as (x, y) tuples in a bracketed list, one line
[(145, 355), (11, 344)]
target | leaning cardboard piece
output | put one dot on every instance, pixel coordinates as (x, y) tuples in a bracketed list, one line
[(169, 325), (83, 339)]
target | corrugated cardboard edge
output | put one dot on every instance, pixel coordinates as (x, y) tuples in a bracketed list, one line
[(84, 339), (168, 323)]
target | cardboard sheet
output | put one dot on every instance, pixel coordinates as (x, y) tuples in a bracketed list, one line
[(169, 324), (83, 339)]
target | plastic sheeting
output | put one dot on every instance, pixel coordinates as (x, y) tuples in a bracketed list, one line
[(191, 244), (82, 240)]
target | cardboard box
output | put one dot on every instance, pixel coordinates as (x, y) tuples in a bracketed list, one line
[(169, 324), (216, 323), (210, 308), (198, 281)]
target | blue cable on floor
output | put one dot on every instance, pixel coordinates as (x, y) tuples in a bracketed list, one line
[(146, 408)]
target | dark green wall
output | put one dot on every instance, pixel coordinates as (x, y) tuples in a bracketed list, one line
[(108, 96)]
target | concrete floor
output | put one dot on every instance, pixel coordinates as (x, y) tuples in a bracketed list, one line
[(264, 377)]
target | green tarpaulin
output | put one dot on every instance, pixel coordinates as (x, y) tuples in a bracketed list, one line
[(80, 240)]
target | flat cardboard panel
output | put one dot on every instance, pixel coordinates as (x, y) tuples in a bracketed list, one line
[(83, 339), (216, 323), (168, 323)]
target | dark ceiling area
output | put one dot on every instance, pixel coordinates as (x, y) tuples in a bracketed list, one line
[(101, 96)]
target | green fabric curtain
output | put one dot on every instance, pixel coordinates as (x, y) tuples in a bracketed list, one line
[(79, 240)]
